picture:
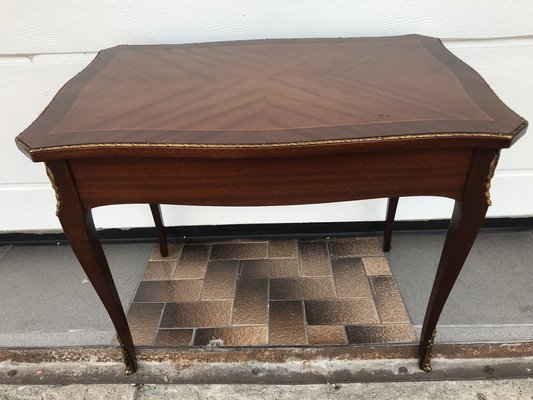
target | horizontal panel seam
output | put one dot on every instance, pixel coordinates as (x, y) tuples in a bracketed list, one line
[(462, 42)]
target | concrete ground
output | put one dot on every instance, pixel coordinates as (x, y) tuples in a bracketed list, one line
[(491, 300), (46, 300), (515, 389)]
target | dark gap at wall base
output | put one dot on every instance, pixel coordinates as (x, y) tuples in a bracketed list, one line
[(259, 231)]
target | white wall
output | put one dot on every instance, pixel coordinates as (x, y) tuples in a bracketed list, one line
[(45, 43)]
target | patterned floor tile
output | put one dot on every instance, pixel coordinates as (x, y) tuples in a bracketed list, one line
[(355, 247), (168, 291), (233, 336), (342, 311), (287, 323), (385, 333), (350, 278), (239, 251), (282, 248), (277, 292), (375, 266), (302, 288), (174, 252), (143, 319), (388, 301), (193, 262), (219, 281), (326, 334), (270, 268), (314, 259), (204, 314), (159, 270), (174, 337), (251, 302)]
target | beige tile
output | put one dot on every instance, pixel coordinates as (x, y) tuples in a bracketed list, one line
[(174, 251), (342, 311), (239, 251), (375, 266), (251, 302), (326, 334), (168, 291), (205, 314), (193, 262), (388, 300), (233, 336), (173, 337), (143, 319), (302, 288), (219, 281), (270, 268), (282, 249), (287, 323), (350, 278), (388, 333), (159, 270), (314, 258), (355, 247)]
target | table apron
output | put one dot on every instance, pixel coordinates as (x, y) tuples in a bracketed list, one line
[(271, 181)]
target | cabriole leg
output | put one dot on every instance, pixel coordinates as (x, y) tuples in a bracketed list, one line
[(468, 215), (80, 231)]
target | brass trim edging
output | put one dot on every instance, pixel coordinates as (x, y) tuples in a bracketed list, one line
[(263, 145), (22, 144), (490, 175), (426, 362), (54, 186), (130, 365)]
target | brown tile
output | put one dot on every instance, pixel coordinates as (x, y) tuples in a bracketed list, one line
[(159, 270), (234, 336), (174, 337), (193, 262), (302, 288), (391, 333), (388, 300), (270, 268), (239, 251), (376, 266), (326, 334), (251, 302), (219, 281), (282, 248), (227, 241), (143, 319), (355, 247), (174, 251), (168, 291), (205, 314), (350, 278), (342, 311), (287, 323), (314, 258)]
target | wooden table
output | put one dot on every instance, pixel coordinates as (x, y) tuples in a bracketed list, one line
[(273, 122)]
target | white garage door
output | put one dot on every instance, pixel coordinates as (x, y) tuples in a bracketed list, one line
[(43, 44)]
